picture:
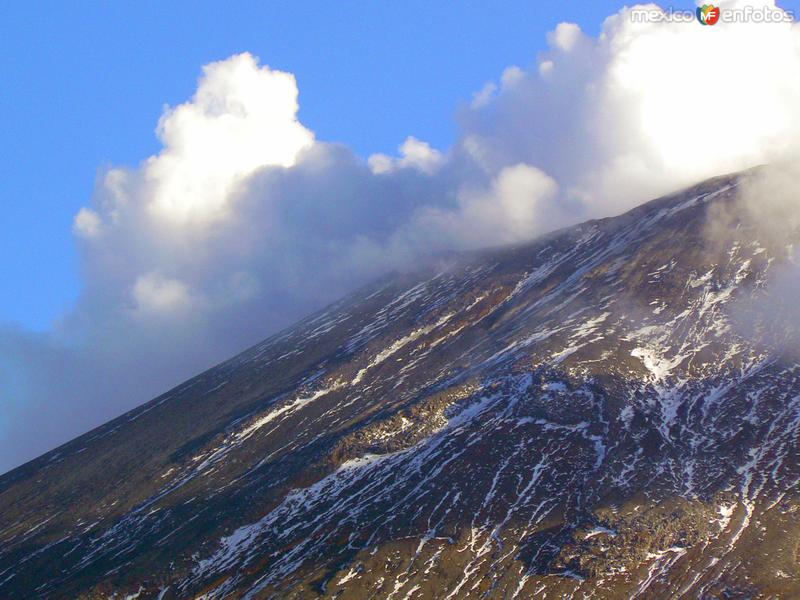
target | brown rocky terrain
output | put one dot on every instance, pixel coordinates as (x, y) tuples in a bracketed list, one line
[(600, 413)]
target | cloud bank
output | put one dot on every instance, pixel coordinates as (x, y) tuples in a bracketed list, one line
[(245, 221)]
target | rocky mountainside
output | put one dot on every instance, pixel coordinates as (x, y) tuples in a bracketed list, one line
[(597, 414)]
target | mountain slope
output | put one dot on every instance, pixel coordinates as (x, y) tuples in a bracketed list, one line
[(582, 416)]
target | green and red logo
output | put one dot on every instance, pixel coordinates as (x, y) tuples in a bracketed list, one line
[(708, 14)]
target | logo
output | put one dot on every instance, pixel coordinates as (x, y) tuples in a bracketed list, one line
[(708, 14)]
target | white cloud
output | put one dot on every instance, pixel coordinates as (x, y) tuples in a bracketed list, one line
[(565, 36), (645, 107), (243, 117), (154, 293), (511, 76), (520, 200), (87, 223), (244, 222), (414, 154), (545, 67), (484, 96)]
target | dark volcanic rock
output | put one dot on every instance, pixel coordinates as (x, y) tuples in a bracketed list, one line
[(578, 417)]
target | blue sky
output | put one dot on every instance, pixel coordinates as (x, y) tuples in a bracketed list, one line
[(84, 86)]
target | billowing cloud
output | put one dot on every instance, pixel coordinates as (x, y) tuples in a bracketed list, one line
[(414, 154), (242, 117), (646, 107), (520, 199), (87, 223), (244, 221)]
